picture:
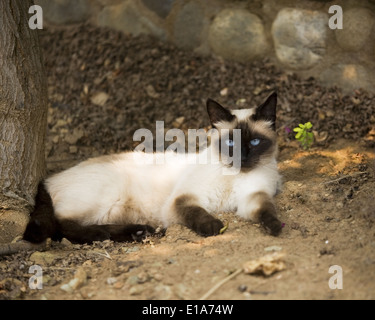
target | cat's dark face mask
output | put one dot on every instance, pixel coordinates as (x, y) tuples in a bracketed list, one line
[(245, 141)]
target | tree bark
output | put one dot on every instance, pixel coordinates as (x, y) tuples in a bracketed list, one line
[(23, 106)]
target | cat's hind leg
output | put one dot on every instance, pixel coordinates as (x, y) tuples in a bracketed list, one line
[(43, 224), (77, 233)]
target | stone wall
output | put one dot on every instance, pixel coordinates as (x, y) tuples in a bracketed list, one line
[(293, 33)]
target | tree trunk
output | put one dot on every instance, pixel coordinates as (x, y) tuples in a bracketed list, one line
[(23, 114)]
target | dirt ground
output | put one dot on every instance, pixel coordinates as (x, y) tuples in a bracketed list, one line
[(104, 85)]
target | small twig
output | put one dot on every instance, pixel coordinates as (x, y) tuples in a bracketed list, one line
[(105, 255), (218, 285), (16, 247), (344, 177)]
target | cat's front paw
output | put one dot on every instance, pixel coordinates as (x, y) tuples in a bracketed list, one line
[(270, 222), (209, 226)]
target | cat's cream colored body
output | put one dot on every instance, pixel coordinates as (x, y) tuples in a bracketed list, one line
[(125, 188), (120, 189)]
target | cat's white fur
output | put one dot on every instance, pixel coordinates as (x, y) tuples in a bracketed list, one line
[(119, 189)]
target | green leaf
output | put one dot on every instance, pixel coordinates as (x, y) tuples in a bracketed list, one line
[(297, 129), (302, 126), (298, 135), (308, 125)]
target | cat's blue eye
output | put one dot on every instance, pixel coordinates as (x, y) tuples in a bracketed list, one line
[(229, 142), (255, 142)]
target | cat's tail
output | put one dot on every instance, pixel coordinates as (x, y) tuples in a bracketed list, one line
[(43, 223)]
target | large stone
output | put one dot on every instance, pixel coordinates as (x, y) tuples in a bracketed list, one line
[(357, 26), (237, 34), (160, 7), (300, 37), (348, 77), (64, 11), (128, 18), (188, 26)]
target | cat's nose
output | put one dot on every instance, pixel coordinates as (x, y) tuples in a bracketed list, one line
[(244, 152)]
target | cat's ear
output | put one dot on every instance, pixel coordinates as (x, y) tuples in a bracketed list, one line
[(267, 110), (218, 113)]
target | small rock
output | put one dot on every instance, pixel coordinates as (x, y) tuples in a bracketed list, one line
[(224, 92), (48, 257), (158, 277), (73, 149), (163, 292), (273, 248), (80, 278), (151, 92), (67, 288), (100, 98), (132, 280), (111, 280), (118, 285), (178, 122), (135, 290), (65, 242), (242, 288), (72, 138), (143, 277), (182, 291)]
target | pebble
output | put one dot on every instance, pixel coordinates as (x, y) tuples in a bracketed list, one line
[(273, 248), (242, 288), (158, 277), (111, 280), (79, 280), (163, 292), (135, 290), (67, 288), (100, 98), (73, 149)]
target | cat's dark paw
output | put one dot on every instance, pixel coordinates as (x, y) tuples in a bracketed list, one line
[(272, 225), (132, 232), (209, 226), (93, 233), (141, 232)]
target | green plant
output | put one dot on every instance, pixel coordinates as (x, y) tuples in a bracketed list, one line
[(304, 135)]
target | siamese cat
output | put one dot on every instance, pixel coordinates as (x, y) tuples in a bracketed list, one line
[(120, 198)]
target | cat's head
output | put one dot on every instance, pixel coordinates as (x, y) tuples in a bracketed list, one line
[(257, 142)]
